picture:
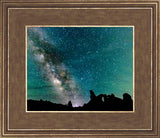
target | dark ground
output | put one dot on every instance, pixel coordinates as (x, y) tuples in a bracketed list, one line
[(101, 102)]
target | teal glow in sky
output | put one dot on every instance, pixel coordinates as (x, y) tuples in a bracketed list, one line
[(64, 63)]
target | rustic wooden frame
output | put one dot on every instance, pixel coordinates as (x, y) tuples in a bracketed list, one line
[(144, 15)]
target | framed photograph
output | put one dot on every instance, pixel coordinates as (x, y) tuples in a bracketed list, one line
[(79, 68)]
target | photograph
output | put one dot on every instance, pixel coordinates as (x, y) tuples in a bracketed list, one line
[(80, 68)]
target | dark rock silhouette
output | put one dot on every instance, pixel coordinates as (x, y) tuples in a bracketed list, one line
[(102, 102), (70, 104), (92, 95), (127, 101)]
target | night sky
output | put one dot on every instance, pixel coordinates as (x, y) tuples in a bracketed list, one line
[(64, 63)]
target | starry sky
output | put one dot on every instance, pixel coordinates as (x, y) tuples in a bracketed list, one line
[(64, 63)]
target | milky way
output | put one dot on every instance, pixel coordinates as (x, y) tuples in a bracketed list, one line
[(53, 69), (64, 63)]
